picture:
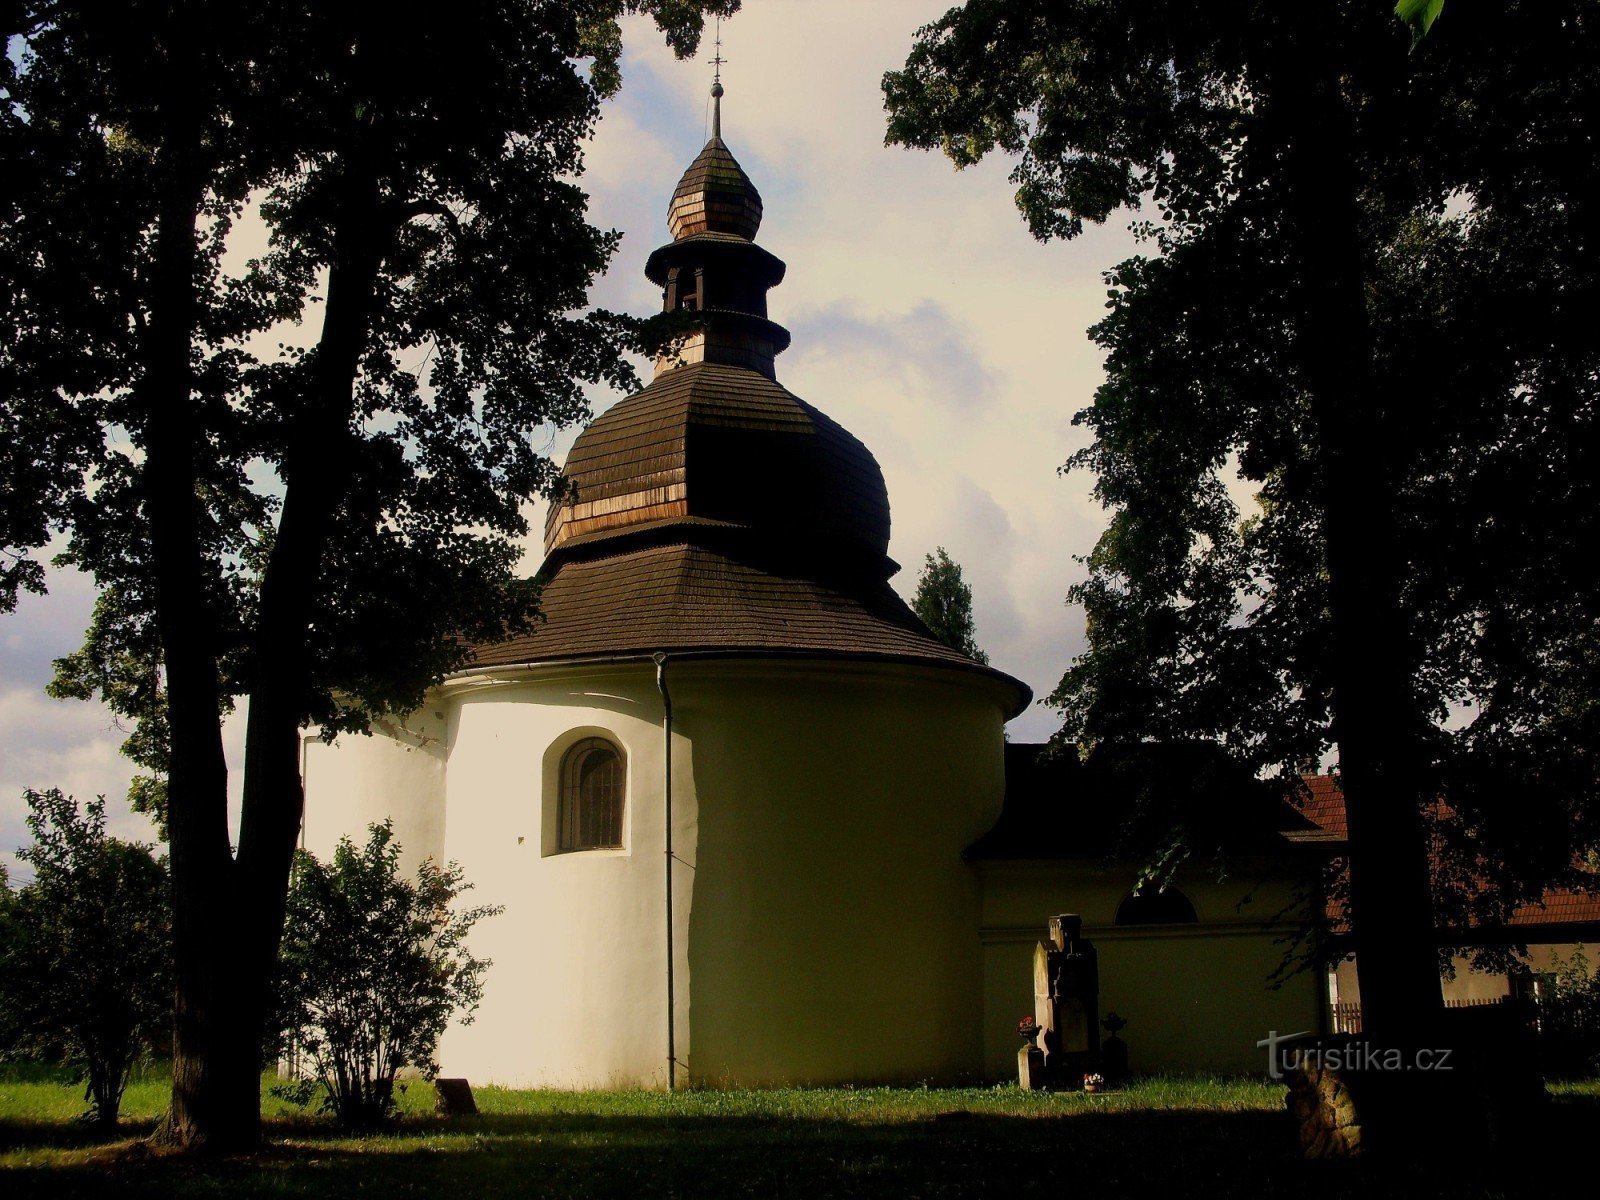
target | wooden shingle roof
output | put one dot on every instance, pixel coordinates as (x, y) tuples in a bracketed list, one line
[(720, 443), (716, 196), (683, 597)]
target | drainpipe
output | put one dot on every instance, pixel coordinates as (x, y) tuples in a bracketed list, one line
[(305, 783), (660, 659)]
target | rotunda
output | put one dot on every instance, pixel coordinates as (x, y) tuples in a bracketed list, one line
[(724, 787)]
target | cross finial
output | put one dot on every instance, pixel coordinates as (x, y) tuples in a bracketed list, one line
[(717, 62)]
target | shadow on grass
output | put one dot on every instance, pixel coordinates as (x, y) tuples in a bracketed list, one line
[(65, 1135), (1171, 1154)]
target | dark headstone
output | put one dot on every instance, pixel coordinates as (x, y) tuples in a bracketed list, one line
[(1114, 1059), (453, 1098)]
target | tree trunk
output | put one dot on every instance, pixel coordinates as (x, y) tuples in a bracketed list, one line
[(1375, 723), (215, 1098), (317, 471), (228, 911)]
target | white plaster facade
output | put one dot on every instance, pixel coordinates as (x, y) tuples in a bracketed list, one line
[(825, 925)]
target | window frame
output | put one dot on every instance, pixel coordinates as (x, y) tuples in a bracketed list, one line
[(569, 837)]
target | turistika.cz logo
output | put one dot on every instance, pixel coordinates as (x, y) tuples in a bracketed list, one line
[(1346, 1056)]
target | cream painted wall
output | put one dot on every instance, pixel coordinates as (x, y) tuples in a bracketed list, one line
[(576, 995), (834, 931), (1196, 997), (825, 925), (397, 772), (1552, 956)]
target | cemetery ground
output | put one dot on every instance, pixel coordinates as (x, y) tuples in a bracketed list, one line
[(1169, 1137)]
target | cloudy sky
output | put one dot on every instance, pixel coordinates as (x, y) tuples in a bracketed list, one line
[(925, 320)]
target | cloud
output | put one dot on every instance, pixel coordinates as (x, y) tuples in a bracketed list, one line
[(932, 354), (66, 744)]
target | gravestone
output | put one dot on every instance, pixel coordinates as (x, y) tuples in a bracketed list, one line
[(453, 1098), (1113, 1050), (1030, 1069), (1066, 1000)]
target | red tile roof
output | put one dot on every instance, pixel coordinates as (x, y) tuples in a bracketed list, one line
[(1560, 907), (1323, 806)]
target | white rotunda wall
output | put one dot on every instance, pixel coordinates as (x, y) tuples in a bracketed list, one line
[(575, 997), (396, 773), (825, 925)]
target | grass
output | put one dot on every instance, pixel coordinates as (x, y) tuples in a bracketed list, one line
[(1172, 1137)]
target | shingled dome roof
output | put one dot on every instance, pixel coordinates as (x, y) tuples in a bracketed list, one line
[(716, 512), (709, 443), (715, 196)]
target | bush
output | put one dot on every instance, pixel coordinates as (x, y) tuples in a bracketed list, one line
[(1569, 1017), (85, 950), (373, 967)]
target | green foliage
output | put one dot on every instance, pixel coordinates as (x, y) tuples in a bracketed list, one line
[(119, 663), (1473, 206), (1569, 1017), (85, 951), (372, 969), (468, 129), (323, 529), (944, 602), (1419, 15)]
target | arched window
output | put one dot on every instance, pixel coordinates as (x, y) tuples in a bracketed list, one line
[(591, 796), (1166, 907)]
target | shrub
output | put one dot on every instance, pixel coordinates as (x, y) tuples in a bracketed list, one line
[(85, 950), (373, 967), (1569, 1017)]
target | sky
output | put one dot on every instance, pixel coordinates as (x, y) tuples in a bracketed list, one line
[(925, 320)]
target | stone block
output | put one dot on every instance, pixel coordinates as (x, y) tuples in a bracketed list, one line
[(1030, 1068), (453, 1098)]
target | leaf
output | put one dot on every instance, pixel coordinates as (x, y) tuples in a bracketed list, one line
[(1419, 15)]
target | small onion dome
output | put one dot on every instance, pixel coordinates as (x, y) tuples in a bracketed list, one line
[(715, 196)]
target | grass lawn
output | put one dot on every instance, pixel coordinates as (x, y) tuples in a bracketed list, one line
[(1161, 1137)]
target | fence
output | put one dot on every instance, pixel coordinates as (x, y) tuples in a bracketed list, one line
[(1346, 1014)]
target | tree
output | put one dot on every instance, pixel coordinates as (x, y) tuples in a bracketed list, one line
[(372, 970), (11, 1035), (323, 531), (1569, 1016), (944, 602), (1362, 295), (86, 950)]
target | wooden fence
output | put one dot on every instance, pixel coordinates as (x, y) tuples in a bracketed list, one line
[(1346, 1015)]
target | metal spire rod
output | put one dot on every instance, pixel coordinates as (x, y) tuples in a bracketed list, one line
[(716, 84)]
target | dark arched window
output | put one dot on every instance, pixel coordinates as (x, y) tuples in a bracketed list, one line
[(591, 796), (1166, 907)]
